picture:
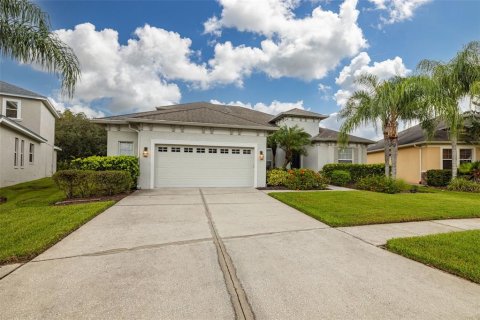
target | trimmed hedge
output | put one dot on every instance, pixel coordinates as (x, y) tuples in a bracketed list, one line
[(382, 184), (340, 178), (438, 177), (88, 183), (305, 179), (357, 171), (463, 185), (97, 163), (277, 177)]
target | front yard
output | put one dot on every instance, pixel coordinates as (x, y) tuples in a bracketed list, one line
[(456, 252), (29, 223), (350, 208)]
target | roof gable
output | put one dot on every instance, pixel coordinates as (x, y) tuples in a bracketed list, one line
[(300, 113), (329, 135)]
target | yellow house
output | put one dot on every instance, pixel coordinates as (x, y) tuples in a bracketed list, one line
[(416, 154)]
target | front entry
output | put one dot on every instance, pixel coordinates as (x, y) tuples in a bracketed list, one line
[(296, 163)]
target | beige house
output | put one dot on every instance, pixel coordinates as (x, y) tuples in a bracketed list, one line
[(417, 154), (27, 134)]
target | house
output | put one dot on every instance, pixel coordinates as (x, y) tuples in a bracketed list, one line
[(417, 153), (27, 134), (208, 145)]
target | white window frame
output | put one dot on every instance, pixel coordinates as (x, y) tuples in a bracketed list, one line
[(474, 156), (162, 149), (472, 150), (15, 152), (247, 151), (22, 153), (175, 149), (235, 151), (345, 160), (120, 148), (224, 151), (188, 150), (31, 153), (19, 108)]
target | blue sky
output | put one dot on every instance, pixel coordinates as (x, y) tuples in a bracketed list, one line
[(383, 31)]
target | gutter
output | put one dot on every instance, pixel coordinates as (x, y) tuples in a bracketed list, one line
[(13, 125)]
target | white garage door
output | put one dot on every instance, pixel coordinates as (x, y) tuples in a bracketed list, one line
[(203, 166)]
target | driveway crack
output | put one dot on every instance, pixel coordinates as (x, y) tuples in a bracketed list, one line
[(240, 303)]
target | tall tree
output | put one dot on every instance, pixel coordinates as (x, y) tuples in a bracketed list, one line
[(25, 36), (292, 140), (78, 137), (451, 82)]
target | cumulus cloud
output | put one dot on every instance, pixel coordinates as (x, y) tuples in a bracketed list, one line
[(273, 108), (398, 10), (76, 108), (305, 48)]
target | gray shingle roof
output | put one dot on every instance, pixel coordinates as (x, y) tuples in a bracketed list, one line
[(18, 127), (8, 88), (201, 113), (328, 135), (298, 113)]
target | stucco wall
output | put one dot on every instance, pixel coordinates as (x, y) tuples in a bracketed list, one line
[(149, 135), (309, 125)]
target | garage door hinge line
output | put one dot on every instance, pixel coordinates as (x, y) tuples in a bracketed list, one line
[(238, 296)]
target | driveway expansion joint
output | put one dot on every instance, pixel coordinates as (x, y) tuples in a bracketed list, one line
[(238, 297)]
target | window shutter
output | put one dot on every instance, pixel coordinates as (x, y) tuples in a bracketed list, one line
[(335, 154)]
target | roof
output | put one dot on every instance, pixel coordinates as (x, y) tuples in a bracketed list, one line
[(328, 135), (298, 113), (19, 128), (413, 135), (14, 91), (198, 113)]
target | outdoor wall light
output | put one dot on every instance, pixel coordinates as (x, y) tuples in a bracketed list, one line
[(261, 156), (145, 152)]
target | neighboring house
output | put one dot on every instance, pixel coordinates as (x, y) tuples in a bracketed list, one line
[(324, 148), (417, 153), (27, 134), (196, 144)]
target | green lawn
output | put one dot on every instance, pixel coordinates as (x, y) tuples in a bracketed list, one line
[(456, 252), (350, 208), (29, 224)]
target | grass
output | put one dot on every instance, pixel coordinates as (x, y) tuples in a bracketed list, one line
[(350, 208), (456, 252), (29, 224)]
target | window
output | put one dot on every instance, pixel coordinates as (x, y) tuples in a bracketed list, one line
[(246, 151), (447, 158), (31, 153), (465, 155), (175, 149), (235, 151), (15, 154), (125, 148), (212, 150), (345, 155), (188, 150), (224, 151), (200, 150), (22, 153), (11, 108), (162, 149)]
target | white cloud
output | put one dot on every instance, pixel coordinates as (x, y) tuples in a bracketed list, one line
[(305, 48), (274, 107), (76, 108), (398, 10), (361, 65)]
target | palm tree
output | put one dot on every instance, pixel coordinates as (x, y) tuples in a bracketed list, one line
[(25, 36), (292, 140), (387, 103), (451, 82), (272, 144)]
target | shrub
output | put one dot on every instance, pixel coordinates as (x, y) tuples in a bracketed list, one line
[(470, 170), (382, 184), (340, 177), (438, 178), (97, 163), (460, 184), (87, 183), (276, 177), (357, 171), (305, 179)]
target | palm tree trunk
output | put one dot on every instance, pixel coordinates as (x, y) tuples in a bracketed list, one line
[(394, 147), (387, 154), (288, 159), (454, 157)]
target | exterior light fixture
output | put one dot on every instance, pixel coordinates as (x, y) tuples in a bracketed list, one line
[(261, 156), (145, 152)]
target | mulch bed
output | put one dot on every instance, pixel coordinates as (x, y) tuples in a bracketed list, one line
[(272, 188), (116, 197)]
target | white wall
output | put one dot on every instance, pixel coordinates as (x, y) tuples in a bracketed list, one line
[(149, 135), (309, 125)]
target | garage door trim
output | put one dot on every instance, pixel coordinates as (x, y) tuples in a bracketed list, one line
[(154, 142)]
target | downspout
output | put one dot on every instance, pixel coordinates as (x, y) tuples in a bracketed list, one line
[(137, 131), (420, 149)]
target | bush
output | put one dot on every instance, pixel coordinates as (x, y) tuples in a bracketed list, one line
[(305, 179), (277, 177), (382, 184), (97, 163), (460, 184), (87, 183), (470, 170), (357, 171), (439, 178), (340, 177)]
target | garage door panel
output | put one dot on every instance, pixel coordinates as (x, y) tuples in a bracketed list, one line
[(192, 169)]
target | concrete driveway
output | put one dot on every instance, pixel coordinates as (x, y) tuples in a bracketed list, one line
[(225, 254)]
